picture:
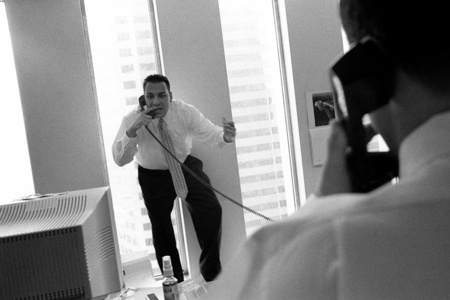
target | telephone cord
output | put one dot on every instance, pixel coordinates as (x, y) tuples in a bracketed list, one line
[(205, 183)]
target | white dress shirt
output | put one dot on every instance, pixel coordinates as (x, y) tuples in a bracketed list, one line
[(392, 243), (184, 123)]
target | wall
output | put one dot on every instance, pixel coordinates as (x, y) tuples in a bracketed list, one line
[(58, 95), (315, 41)]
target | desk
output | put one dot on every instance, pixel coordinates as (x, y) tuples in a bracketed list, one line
[(139, 285), (139, 282), (190, 289), (138, 279)]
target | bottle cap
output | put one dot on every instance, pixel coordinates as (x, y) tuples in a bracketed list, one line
[(167, 266)]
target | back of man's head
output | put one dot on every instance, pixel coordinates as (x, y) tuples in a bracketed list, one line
[(414, 33)]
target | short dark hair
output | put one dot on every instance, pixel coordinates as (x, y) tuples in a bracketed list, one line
[(154, 78), (414, 33)]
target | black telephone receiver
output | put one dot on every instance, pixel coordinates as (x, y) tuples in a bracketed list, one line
[(142, 104), (362, 83)]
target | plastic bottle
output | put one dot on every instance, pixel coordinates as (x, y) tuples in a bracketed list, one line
[(170, 283)]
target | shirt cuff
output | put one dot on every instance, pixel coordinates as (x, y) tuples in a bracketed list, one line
[(126, 139)]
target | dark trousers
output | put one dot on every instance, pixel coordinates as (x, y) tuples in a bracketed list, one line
[(159, 195)]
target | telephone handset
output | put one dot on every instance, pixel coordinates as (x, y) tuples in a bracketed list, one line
[(143, 106), (362, 83)]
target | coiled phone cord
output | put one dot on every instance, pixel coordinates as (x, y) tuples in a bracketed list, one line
[(205, 183)]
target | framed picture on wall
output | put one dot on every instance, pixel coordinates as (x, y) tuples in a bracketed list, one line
[(320, 108)]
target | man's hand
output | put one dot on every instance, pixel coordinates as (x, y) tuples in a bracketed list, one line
[(142, 119), (229, 131), (335, 175)]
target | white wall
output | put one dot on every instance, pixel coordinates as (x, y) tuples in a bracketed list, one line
[(315, 41), (58, 95), (60, 107)]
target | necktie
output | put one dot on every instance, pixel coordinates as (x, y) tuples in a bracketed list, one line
[(174, 167)]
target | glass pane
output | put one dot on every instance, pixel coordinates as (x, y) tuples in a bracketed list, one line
[(257, 103), (15, 173), (123, 55)]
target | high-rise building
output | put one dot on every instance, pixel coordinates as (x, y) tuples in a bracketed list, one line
[(255, 93)]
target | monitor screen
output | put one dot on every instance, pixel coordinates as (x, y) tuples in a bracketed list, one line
[(60, 247)]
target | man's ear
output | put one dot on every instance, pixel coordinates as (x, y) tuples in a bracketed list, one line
[(170, 97)]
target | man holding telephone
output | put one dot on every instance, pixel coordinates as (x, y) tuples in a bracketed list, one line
[(391, 241), (175, 120)]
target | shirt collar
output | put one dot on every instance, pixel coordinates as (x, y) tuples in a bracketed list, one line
[(428, 142)]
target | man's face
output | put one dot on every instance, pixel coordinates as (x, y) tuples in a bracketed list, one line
[(157, 96)]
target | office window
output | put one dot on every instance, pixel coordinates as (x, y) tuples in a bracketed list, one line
[(264, 156), (15, 172), (112, 26)]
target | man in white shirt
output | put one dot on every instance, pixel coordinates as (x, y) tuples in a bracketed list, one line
[(134, 141), (392, 242)]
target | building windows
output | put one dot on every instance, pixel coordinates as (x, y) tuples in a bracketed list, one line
[(121, 20), (123, 36), (130, 101), (128, 69), (242, 43), (144, 211), (129, 85), (145, 50), (140, 19), (246, 73), (238, 89), (243, 58), (145, 34), (125, 52), (248, 103), (257, 103), (145, 67), (147, 226)]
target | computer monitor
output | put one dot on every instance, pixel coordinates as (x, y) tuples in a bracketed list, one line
[(60, 247)]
